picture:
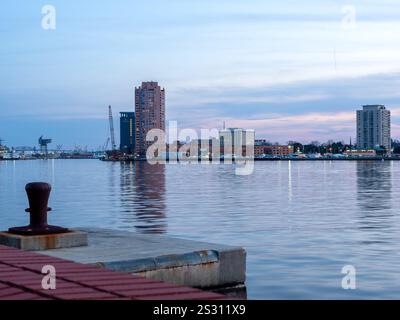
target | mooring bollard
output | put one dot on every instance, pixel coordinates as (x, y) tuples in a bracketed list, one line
[(38, 196)]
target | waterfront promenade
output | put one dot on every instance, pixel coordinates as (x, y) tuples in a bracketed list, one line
[(21, 279)]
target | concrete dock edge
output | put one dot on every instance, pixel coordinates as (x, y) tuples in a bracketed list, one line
[(186, 262)]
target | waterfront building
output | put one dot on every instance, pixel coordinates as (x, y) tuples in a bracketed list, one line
[(373, 128), (149, 113), (3, 151), (274, 150), (127, 132), (360, 153), (233, 141)]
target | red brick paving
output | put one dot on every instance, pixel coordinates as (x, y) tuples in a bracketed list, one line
[(21, 279)]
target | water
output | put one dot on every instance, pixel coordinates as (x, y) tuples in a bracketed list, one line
[(300, 222)]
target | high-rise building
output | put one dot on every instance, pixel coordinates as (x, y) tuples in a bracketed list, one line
[(373, 127), (127, 132), (150, 113), (234, 140)]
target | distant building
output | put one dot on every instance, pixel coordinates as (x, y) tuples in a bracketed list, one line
[(24, 149), (149, 112), (360, 153), (234, 140), (274, 150), (3, 151), (261, 142), (373, 128), (173, 150), (127, 132)]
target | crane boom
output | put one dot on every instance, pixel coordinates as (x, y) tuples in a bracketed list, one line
[(112, 134), (106, 144)]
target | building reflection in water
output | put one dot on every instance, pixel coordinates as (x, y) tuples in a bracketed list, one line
[(374, 187), (143, 196)]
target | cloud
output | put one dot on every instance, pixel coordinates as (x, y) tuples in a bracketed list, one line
[(295, 120), (287, 68), (307, 127), (228, 99)]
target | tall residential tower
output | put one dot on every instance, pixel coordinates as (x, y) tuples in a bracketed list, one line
[(149, 112), (373, 127)]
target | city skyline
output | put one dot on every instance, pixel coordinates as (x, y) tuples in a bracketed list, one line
[(285, 73), (124, 127)]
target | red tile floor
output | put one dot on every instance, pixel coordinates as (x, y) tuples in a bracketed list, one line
[(21, 279)]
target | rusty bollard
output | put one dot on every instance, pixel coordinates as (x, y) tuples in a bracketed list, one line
[(38, 196)]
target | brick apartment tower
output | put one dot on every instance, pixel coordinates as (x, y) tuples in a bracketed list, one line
[(150, 113)]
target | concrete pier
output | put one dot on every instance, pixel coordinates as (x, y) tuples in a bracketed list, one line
[(159, 257)]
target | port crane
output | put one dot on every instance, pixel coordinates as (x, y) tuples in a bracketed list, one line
[(43, 142)]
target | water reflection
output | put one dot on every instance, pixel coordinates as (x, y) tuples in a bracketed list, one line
[(143, 196), (374, 192), (290, 191), (341, 212)]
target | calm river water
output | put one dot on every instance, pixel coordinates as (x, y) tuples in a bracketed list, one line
[(300, 222)]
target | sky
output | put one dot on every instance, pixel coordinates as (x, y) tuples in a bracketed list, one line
[(291, 70)]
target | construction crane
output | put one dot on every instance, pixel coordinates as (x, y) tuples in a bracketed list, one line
[(112, 134), (106, 144), (114, 154)]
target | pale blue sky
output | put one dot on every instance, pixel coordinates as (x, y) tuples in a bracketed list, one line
[(288, 69)]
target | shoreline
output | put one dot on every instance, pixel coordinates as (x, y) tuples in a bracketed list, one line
[(222, 161)]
